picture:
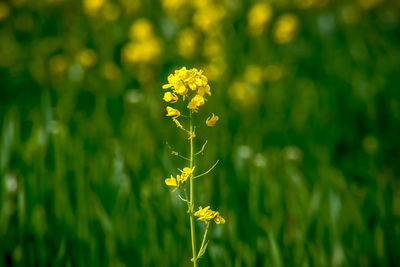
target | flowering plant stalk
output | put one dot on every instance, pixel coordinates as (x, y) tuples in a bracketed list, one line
[(191, 87)]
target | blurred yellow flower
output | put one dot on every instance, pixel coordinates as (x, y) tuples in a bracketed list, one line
[(58, 63), (110, 70), (144, 46), (187, 42), (258, 17), (141, 29), (253, 74), (173, 5), (351, 14), (173, 112), (305, 3), (141, 51), (4, 11), (170, 97), (130, 6), (286, 28), (111, 12), (273, 73), (18, 3), (206, 215), (91, 7), (88, 57), (215, 68), (208, 17), (212, 120), (243, 94), (368, 4), (212, 47)]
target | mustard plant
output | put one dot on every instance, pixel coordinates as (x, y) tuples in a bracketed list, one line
[(191, 88)]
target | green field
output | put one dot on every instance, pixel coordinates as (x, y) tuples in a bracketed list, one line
[(308, 140)]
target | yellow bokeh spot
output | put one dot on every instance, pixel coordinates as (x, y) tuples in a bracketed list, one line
[(144, 46), (212, 47), (18, 3), (141, 52), (187, 41), (351, 14), (87, 58), (110, 70), (258, 17), (130, 6), (58, 63), (215, 69), (368, 4), (286, 28), (92, 7), (243, 95), (111, 12), (4, 11), (173, 5), (273, 73), (253, 74), (141, 29), (209, 17)]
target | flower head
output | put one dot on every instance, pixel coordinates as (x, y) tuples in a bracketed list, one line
[(172, 182), (170, 97), (206, 215), (212, 120), (172, 112), (186, 172), (187, 83)]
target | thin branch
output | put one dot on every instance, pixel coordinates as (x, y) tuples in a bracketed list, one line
[(203, 248), (186, 195), (213, 166), (202, 148), (183, 199), (173, 152), (179, 125)]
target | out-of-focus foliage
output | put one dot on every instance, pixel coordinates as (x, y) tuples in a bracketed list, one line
[(308, 137)]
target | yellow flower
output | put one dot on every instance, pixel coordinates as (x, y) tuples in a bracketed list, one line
[(173, 112), (172, 182), (212, 120), (180, 88), (219, 220), (170, 97), (206, 215), (186, 172), (202, 90), (196, 102)]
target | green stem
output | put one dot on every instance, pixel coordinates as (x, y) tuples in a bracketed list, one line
[(204, 238), (192, 226)]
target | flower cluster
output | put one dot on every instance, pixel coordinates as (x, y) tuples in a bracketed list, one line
[(206, 215), (190, 84), (180, 179)]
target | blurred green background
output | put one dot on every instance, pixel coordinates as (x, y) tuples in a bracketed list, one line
[(308, 138)]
